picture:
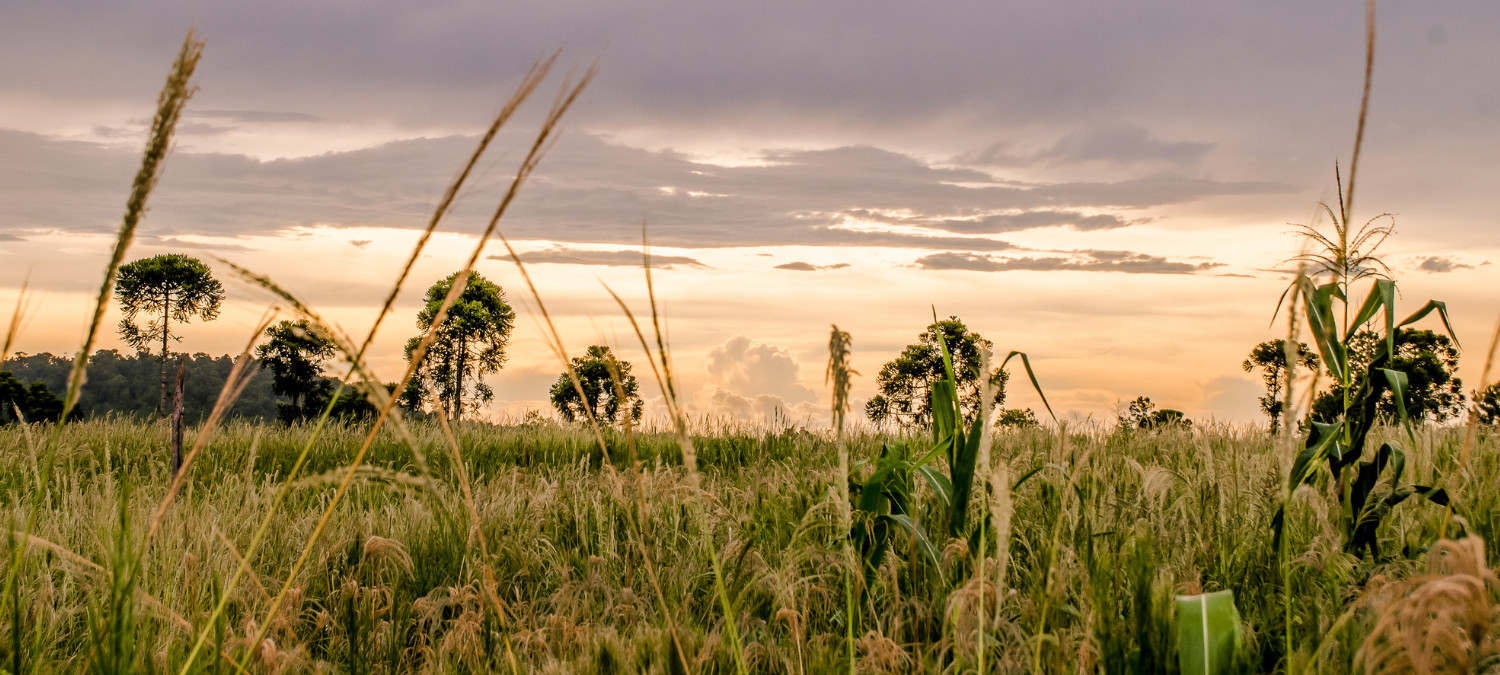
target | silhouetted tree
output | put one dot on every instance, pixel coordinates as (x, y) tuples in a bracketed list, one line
[(597, 371), (1143, 414), (469, 344), (295, 353), (1270, 358), (1430, 361), (168, 287), (18, 402), (905, 382)]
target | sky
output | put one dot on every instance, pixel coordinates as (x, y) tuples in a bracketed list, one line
[(1108, 187)]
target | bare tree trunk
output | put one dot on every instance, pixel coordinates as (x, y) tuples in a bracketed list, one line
[(166, 306), (177, 419), (458, 374)]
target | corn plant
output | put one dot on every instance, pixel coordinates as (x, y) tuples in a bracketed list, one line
[(886, 499), (1367, 498)]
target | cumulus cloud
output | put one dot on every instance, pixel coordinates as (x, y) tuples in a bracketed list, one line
[(1083, 261), (571, 256), (756, 368), (1440, 265), (800, 266)]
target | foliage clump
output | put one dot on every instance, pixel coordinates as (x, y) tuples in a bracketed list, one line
[(905, 383)]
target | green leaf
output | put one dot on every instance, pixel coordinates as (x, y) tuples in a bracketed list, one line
[(1442, 310), (1397, 381), (1028, 476), (1382, 297), (944, 410), (1318, 303), (1208, 633), (967, 455), (939, 483), (911, 528), (1026, 361)]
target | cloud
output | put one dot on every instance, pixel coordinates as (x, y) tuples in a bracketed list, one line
[(1230, 398), (1084, 261), (1440, 265), (172, 242), (258, 116), (800, 266), (4, 236), (359, 243), (756, 368), (563, 255), (1123, 144), (587, 190)]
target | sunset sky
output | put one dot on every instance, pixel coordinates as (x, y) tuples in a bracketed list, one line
[(1106, 186)]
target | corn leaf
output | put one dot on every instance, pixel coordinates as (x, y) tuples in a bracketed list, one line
[(1382, 297), (1208, 633), (1442, 310)]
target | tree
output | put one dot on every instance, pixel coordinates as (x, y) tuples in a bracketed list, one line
[(905, 382), (597, 372), (1428, 359), (1487, 404), (168, 287), (1270, 357), (469, 344), (295, 354), (36, 403), (1143, 414), (1016, 418)]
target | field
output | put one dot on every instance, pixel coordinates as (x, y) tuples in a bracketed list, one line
[(1112, 526), (400, 543)]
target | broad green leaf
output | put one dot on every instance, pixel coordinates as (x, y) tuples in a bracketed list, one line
[(939, 484), (1397, 381), (944, 410), (1318, 303), (1442, 310), (966, 454), (911, 528), (1382, 297), (1208, 633)]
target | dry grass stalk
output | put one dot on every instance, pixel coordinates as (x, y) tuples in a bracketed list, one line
[(1446, 621), (17, 319), (169, 105), (565, 99)]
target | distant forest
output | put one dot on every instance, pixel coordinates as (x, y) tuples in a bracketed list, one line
[(130, 385)]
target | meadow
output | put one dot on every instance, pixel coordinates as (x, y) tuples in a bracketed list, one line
[(1110, 527), (409, 544)]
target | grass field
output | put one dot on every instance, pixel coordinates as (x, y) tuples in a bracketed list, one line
[(1113, 525)]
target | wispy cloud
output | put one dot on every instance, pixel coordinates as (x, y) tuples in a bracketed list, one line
[(571, 256), (1083, 261), (800, 266), (1441, 265), (1120, 144)]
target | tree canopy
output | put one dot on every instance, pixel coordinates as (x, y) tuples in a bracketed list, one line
[(1270, 358), (905, 382), (469, 344), (1430, 362), (168, 287), (597, 371), (121, 385), (1143, 414), (295, 353)]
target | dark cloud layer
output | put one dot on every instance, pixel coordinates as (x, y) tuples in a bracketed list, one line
[(586, 190), (1085, 261)]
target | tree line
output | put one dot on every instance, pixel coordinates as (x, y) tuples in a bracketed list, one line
[(159, 294)]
